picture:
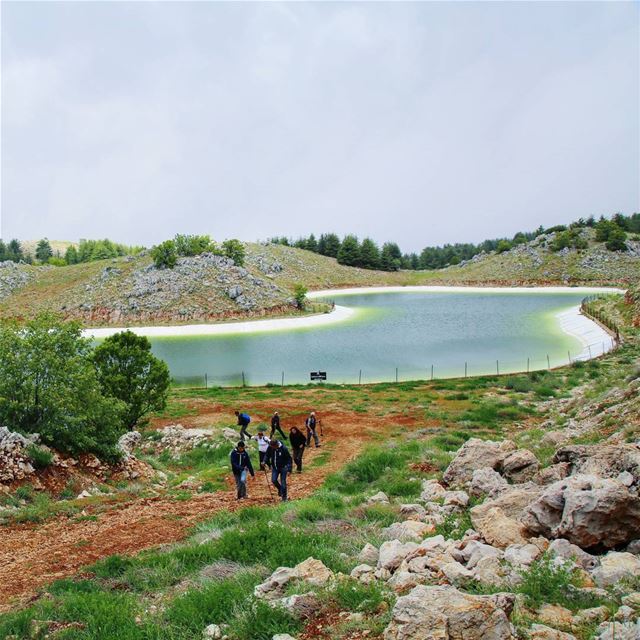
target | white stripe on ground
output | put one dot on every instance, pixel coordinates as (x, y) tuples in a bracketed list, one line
[(595, 340)]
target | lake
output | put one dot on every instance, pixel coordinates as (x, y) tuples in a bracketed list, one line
[(418, 333)]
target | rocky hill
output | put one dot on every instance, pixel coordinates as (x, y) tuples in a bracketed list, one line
[(210, 288)]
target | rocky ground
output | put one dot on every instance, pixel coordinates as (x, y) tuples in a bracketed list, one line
[(211, 288)]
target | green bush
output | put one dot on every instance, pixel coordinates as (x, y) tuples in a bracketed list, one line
[(164, 255), (352, 595), (39, 456), (234, 249)]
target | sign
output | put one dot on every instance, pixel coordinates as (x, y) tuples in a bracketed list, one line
[(318, 375)]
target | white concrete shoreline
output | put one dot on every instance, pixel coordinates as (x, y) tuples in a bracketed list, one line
[(594, 339), (340, 313)]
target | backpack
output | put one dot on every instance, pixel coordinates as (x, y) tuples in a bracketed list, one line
[(247, 417)]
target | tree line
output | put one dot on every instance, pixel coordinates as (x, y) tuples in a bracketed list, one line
[(368, 255), (165, 255)]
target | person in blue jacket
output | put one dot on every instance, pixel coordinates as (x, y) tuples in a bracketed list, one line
[(241, 466), (280, 461), (243, 422)]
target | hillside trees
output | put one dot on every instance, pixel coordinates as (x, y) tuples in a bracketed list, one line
[(49, 386), (128, 371), (44, 250), (369, 257), (12, 251), (349, 252), (165, 255)]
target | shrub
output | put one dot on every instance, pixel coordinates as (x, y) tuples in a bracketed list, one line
[(351, 595), (234, 249), (165, 255), (300, 295), (40, 457)]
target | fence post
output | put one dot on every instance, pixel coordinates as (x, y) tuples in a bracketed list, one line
[(548, 362), (465, 369), (569, 354), (283, 378), (243, 381), (206, 383), (497, 368), (589, 347), (396, 374), (360, 377), (432, 372), (527, 365)]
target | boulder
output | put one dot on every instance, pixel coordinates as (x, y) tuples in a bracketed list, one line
[(393, 552), (474, 551), (587, 511), (369, 555), (313, 571), (404, 580), (552, 473), (554, 615), (542, 632), (407, 530), (521, 555), (413, 511), (476, 454), (498, 529), (603, 460), (562, 548), (301, 605), (520, 466), (619, 631), (363, 573), (456, 574), (487, 482), (444, 613), (212, 632), (456, 499), (615, 566), (432, 490), (491, 572), (283, 636)]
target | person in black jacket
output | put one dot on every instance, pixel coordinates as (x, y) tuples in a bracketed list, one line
[(275, 425), (243, 422), (241, 466), (298, 443), (279, 459)]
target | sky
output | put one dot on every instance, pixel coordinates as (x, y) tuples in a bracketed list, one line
[(420, 123)]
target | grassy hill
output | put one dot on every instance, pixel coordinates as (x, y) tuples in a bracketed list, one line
[(210, 288)]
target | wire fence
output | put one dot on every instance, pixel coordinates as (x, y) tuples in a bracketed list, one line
[(431, 371)]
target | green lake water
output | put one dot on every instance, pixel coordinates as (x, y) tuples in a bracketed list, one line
[(412, 332)]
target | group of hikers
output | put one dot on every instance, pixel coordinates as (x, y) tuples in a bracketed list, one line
[(273, 454)]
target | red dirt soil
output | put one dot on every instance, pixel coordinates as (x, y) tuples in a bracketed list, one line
[(33, 555)]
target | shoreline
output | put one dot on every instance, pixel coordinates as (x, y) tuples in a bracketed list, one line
[(594, 339), (339, 314)]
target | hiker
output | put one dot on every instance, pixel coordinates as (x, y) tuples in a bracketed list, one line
[(263, 445), (243, 422), (310, 423), (298, 442), (279, 459), (241, 466), (275, 425)]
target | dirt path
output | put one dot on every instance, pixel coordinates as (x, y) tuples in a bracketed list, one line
[(34, 555)]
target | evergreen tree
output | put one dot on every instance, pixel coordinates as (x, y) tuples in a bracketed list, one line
[(71, 255), (369, 255), (391, 257), (349, 252), (616, 240), (312, 244), (43, 250), (331, 245)]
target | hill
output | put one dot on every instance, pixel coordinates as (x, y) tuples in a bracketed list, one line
[(210, 288)]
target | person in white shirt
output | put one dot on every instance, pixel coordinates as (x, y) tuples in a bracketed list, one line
[(263, 445)]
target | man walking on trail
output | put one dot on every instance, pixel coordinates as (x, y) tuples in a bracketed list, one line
[(298, 443), (263, 445), (243, 422), (275, 425), (241, 466), (279, 459), (310, 423)]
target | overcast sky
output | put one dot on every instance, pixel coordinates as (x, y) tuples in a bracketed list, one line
[(422, 123)]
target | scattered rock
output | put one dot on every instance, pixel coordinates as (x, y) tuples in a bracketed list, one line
[(476, 454), (615, 566)]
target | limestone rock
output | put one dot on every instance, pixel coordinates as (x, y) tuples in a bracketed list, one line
[(407, 530), (521, 555), (542, 632), (496, 527), (619, 631), (520, 466), (378, 498), (432, 490), (487, 482), (587, 511), (456, 499), (564, 549), (554, 615), (476, 454), (413, 511), (369, 555), (614, 566), (444, 613), (313, 571), (393, 552), (363, 573)]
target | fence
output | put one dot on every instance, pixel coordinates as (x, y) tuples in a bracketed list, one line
[(589, 309), (434, 371)]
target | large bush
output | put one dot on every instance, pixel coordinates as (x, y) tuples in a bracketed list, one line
[(128, 371), (48, 385)]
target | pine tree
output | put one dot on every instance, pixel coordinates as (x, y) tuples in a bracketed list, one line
[(349, 252), (43, 250), (369, 254)]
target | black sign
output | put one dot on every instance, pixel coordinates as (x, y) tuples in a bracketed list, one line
[(318, 375)]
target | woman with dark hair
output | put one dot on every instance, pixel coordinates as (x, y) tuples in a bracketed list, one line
[(298, 442)]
